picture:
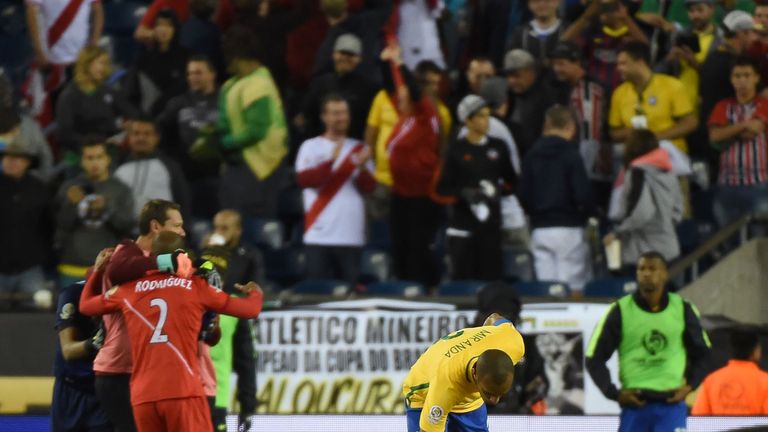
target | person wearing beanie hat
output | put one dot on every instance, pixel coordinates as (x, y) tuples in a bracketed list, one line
[(494, 91), (25, 223), (476, 172)]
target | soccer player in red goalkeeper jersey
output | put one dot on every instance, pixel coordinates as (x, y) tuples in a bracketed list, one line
[(163, 314)]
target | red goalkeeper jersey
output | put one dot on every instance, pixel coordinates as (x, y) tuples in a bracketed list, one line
[(163, 314)]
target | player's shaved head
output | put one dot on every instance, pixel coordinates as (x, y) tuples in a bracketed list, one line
[(495, 365), (167, 242), (232, 215), (494, 374)]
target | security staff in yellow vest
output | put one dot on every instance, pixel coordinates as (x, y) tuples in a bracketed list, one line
[(663, 352)]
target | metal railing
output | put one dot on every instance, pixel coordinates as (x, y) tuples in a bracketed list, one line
[(691, 261)]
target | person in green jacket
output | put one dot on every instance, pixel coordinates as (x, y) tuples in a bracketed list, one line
[(252, 132), (663, 352)]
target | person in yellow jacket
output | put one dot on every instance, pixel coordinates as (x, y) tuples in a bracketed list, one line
[(451, 382)]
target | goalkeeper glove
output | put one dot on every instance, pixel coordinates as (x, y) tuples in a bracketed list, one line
[(95, 342)]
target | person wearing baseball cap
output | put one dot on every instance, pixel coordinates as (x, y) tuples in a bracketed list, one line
[(347, 80), (25, 224), (476, 172), (531, 96)]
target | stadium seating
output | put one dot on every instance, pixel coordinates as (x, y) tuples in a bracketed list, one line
[(289, 205), (610, 287), (542, 289), (375, 266), (688, 236), (122, 18), (518, 265), (395, 289), (285, 266), (124, 50), (701, 204), (15, 55), (290, 210), (378, 235), (460, 288), (12, 18), (263, 233), (330, 287)]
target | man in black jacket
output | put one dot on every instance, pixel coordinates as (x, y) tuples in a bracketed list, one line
[(531, 96), (366, 24), (556, 194), (237, 263), (181, 123), (26, 226)]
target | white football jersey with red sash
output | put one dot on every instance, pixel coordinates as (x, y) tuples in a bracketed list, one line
[(334, 212)]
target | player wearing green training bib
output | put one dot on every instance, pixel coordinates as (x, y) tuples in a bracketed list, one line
[(662, 352)]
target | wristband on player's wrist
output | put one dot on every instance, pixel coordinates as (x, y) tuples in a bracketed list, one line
[(165, 263)]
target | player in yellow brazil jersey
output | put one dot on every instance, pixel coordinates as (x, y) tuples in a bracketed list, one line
[(448, 386)]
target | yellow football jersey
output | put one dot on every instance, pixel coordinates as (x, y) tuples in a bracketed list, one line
[(440, 382)]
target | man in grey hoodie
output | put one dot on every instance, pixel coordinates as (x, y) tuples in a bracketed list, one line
[(652, 201), (148, 172), (95, 211)]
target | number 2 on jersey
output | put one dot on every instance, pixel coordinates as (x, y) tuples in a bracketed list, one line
[(157, 335)]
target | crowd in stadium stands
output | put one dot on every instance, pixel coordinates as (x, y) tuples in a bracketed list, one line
[(379, 140)]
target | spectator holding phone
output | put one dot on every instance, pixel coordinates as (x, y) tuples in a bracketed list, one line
[(95, 211), (691, 46)]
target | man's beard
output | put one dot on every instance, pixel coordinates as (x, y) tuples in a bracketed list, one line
[(646, 287)]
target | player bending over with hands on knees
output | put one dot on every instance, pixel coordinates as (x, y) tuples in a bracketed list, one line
[(449, 385), (163, 314)]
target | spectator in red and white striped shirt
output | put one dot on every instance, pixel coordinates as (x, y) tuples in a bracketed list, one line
[(589, 101), (737, 127)]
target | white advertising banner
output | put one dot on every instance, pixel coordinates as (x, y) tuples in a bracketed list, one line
[(354, 361)]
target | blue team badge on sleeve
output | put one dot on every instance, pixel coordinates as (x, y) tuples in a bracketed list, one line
[(652, 100)]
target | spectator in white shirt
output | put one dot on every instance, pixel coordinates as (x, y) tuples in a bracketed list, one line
[(334, 171)]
